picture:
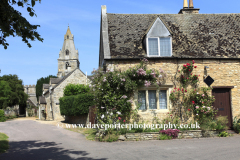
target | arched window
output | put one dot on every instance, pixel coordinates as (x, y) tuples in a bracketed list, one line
[(67, 65), (67, 52), (67, 36)]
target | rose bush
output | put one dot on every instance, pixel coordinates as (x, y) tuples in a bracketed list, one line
[(113, 90)]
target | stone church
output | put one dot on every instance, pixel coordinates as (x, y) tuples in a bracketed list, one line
[(68, 72)]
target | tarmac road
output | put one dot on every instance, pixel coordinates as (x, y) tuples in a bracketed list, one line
[(31, 140)]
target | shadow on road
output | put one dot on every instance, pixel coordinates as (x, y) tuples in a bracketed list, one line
[(29, 150)]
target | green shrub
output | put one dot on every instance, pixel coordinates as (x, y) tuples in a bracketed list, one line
[(222, 122), (76, 105), (75, 89), (2, 116), (224, 134), (236, 124), (164, 137)]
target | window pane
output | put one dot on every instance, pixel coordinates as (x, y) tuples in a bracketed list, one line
[(153, 46), (142, 100), (165, 46), (163, 99), (152, 99)]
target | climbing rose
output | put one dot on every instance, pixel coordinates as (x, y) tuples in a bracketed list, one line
[(193, 102), (188, 109), (119, 118)]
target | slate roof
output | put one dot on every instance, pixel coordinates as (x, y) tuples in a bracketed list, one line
[(55, 80), (42, 100), (193, 35), (62, 79), (45, 86)]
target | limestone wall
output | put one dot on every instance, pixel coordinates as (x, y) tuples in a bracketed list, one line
[(224, 72), (77, 77)]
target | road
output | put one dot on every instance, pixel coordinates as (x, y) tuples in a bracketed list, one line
[(31, 140)]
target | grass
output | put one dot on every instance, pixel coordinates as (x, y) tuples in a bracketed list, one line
[(3, 143), (90, 133)]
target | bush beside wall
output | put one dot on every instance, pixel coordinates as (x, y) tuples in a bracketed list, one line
[(76, 105)]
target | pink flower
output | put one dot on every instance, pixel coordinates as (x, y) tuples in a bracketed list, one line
[(124, 96), (203, 95), (123, 120), (197, 107), (193, 102), (119, 118), (188, 109)]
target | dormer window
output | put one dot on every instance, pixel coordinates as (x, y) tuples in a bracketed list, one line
[(159, 40), (67, 52), (67, 36), (159, 46)]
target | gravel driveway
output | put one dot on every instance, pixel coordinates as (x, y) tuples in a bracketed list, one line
[(31, 140)]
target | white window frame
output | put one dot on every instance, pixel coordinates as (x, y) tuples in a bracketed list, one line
[(159, 54), (157, 99)]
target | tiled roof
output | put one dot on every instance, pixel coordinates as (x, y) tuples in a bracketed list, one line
[(63, 78), (193, 35), (45, 86), (55, 80), (42, 100)]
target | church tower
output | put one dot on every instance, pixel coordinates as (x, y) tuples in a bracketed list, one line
[(68, 56)]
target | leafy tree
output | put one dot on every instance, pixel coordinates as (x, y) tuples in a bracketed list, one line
[(40, 83), (12, 23), (11, 91)]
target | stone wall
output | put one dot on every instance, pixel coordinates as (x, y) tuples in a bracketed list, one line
[(83, 119), (224, 72), (182, 134), (77, 77)]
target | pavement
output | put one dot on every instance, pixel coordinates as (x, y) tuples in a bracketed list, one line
[(30, 139)]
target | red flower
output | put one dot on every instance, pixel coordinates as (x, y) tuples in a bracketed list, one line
[(178, 89), (119, 118), (188, 109), (175, 88), (124, 121), (185, 90), (193, 61), (195, 66), (191, 73), (187, 78), (182, 89), (193, 102), (170, 115)]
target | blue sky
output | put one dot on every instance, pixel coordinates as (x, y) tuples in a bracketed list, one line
[(83, 17)]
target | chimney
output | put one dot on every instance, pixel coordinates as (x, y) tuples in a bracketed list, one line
[(191, 4), (185, 5), (190, 9)]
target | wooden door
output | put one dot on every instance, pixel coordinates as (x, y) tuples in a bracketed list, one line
[(92, 114), (223, 103)]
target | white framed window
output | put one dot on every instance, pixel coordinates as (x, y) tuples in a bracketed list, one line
[(153, 99), (159, 46)]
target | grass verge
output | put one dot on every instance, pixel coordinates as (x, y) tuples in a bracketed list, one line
[(3, 143)]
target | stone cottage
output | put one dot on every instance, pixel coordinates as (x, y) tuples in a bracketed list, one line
[(171, 40), (68, 72)]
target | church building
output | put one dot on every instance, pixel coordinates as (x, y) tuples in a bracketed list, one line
[(68, 73)]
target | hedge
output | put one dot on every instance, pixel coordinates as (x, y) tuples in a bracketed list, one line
[(76, 105), (2, 116)]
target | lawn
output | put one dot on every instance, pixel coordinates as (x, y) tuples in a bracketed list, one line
[(3, 143)]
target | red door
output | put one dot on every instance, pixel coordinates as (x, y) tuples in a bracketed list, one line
[(223, 103)]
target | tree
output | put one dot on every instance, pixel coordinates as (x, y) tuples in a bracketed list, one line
[(40, 83), (12, 23), (11, 91)]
